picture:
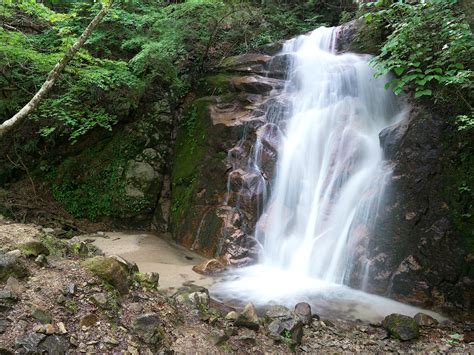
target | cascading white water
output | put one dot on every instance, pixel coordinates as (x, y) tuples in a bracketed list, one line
[(329, 179), (329, 158)]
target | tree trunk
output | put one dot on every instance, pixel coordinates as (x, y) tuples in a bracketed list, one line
[(21, 115)]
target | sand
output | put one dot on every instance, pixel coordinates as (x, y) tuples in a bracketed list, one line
[(153, 253)]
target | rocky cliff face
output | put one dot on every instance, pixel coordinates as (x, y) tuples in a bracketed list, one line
[(416, 253), (217, 195)]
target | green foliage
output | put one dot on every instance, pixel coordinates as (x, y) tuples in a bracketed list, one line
[(465, 122), (92, 92), (72, 306), (92, 184), (429, 48), (286, 334), (140, 46)]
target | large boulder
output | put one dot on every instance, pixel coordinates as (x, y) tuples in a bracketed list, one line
[(420, 249), (110, 271), (140, 179), (401, 327), (216, 196)]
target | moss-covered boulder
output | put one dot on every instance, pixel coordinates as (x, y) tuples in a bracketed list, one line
[(401, 327), (33, 248), (110, 271)]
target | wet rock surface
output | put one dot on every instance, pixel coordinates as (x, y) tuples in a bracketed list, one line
[(432, 266), (218, 194)]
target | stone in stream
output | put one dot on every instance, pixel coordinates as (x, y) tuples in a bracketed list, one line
[(424, 320), (248, 318), (401, 327)]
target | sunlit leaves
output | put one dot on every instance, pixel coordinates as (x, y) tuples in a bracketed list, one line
[(429, 48)]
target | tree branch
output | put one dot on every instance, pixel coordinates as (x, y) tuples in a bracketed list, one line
[(21, 115)]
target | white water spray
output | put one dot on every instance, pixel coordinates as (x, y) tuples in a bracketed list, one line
[(329, 180)]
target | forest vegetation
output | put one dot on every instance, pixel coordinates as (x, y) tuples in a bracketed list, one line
[(141, 114)]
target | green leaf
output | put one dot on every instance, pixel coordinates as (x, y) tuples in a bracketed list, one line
[(426, 92), (399, 70)]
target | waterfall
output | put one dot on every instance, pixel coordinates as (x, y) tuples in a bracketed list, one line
[(329, 159), (329, 180)]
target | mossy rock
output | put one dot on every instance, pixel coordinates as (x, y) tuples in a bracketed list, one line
[(401, 327), (11, 266), (148, 327), (33, 248), (110, 271)]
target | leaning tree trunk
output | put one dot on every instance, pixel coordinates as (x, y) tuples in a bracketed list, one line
[(21, 115)]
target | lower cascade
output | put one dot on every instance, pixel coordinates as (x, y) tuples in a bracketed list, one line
[(329, 183)]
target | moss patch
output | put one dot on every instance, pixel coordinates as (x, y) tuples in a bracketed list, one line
[(33, 248), (190, 150), (110, 271), (91, 184)]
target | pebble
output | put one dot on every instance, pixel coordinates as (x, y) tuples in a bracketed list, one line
[(110, 340), (135, 307), (61, 328), (50, 329)]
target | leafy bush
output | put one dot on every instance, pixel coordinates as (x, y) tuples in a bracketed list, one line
[(429, 49), (91, 92)]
